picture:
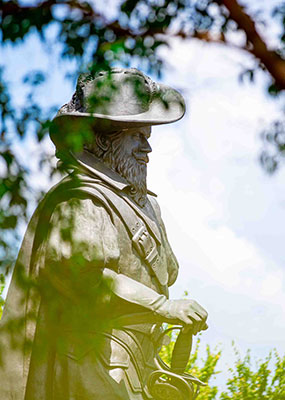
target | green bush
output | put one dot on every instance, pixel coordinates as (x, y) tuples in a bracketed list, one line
[(260, 380)]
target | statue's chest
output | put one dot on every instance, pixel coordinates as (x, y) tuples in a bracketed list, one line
[(142, 256), (141, 239)]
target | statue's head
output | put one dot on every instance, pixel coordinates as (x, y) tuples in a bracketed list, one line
[(111, 114)]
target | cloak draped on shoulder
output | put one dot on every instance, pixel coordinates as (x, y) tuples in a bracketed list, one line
[(19, 320)]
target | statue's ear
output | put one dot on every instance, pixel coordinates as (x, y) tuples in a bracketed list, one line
[(103, 142)]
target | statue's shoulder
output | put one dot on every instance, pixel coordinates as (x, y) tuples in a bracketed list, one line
[(153, 201), (76, 187)]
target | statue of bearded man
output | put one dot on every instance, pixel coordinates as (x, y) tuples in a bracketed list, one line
[(96, 255)]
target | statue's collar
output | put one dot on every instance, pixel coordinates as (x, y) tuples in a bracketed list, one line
[(89, 163)]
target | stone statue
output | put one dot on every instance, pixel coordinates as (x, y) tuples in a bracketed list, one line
[(97, 262)]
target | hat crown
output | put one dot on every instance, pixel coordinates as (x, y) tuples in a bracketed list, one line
[(112, 100), (118, 91)]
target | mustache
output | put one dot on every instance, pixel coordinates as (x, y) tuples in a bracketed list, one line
[(141, 158)]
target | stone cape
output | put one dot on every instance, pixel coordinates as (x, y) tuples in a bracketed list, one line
[(16, 363)]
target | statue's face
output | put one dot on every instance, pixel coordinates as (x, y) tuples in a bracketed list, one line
[(126, 152), (134, 142), (128, 155)]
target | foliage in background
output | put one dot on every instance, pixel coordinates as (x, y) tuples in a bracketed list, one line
[(262, 380), (134, 34)]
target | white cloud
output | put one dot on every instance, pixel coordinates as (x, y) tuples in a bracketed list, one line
[(272, 285)]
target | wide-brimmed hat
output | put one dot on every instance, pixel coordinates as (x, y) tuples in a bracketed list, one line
[(115, 99)]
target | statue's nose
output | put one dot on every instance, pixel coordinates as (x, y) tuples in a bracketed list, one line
[(145, 147)]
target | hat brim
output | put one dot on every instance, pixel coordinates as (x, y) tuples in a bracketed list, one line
[(166, 108)]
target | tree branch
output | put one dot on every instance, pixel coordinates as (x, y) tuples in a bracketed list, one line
[(274, 64)]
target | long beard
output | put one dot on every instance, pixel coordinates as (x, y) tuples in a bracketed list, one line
[(129, 168)]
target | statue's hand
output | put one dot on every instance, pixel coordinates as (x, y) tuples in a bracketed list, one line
[(185, 312)]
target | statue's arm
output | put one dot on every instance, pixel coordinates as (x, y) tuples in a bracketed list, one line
[(83, 246), (158, 308)]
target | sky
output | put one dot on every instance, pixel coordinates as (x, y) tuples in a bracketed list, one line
[(223, 214)]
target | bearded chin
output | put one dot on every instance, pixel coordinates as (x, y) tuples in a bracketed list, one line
[(134, 173)]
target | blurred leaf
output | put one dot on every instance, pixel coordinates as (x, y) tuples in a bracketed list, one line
[(273, 89)]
